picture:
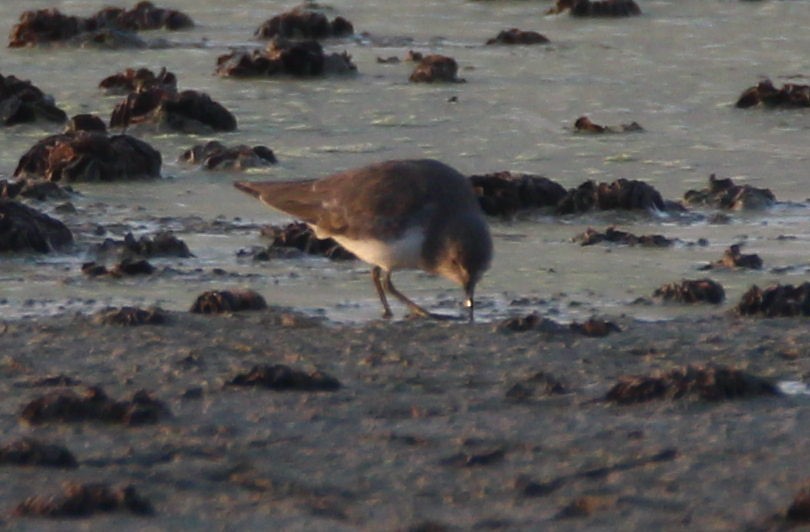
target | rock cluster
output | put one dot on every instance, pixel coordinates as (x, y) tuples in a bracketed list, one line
[(692, 291), (583, 124), (22, 102), (137, 80), (89, 154), (505, 193), (775, 301), (301, 59), (283, 378), (435, 68), (300, 236), (709, 383), (48, 26), (219, 301), (598, 8), (725, 194), (615, 236), (83, 500), (187, 111), (214, 155), (517, 36), (620, 194), (94, 405), (303, 23), (764, 93)]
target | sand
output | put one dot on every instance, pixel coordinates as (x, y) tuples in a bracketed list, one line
[(424, 432)]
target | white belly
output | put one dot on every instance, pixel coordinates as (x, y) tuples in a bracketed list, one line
[(404, 253)]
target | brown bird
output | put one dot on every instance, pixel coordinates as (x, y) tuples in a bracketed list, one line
[(409, 214)]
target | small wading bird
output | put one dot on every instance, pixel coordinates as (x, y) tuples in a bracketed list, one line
[(409, 214)]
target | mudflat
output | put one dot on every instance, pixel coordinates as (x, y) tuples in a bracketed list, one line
[(434, 425)]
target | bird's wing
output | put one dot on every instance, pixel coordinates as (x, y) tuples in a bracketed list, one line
[(378, 200)]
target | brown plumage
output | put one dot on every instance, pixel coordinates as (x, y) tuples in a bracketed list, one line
[(409, 214)]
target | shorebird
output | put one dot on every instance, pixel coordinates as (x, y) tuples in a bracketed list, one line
[(407, 214)]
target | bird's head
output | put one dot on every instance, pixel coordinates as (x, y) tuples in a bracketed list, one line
[(466, 255)]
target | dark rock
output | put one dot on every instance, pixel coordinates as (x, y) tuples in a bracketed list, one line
[(33, 189), (31, 452), (84, 500), (132, 267), (541, 384), (532, 322), (124, 268), (21, 102), (45, 26), (583, 124), (187, 111), (776, 301), (516, 36), (69, 407), (144, 16), (436, 68), (709, 383), (85, 122), (585, 506), (137, 80), (732, 258), (474, 459), (92, 269), (128, 266), (621, 194), (285, 58), (304, 23), (429, 526), (161, 244), (25, 229), (724, 194), (595, 328), (603, 8), (219, 301), (692, 291), (131, 316), (764, 93), (531, 488), (614, 236), (283, 378), (300, 236), (799, 510), (89, 156), (214, 155), (505, 193)]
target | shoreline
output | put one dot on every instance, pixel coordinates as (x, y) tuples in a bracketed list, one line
[(422, 431)]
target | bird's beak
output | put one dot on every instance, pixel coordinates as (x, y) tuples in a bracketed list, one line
[(469, 302)]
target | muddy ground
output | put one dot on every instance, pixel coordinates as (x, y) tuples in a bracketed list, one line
[(427, 430)]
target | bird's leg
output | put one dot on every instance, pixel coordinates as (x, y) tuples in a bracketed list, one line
[(375, 276), (413, 307)]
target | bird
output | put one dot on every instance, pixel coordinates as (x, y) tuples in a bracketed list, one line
[(394, 215)]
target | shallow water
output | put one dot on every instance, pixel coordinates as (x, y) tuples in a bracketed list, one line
[(676, 70)]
